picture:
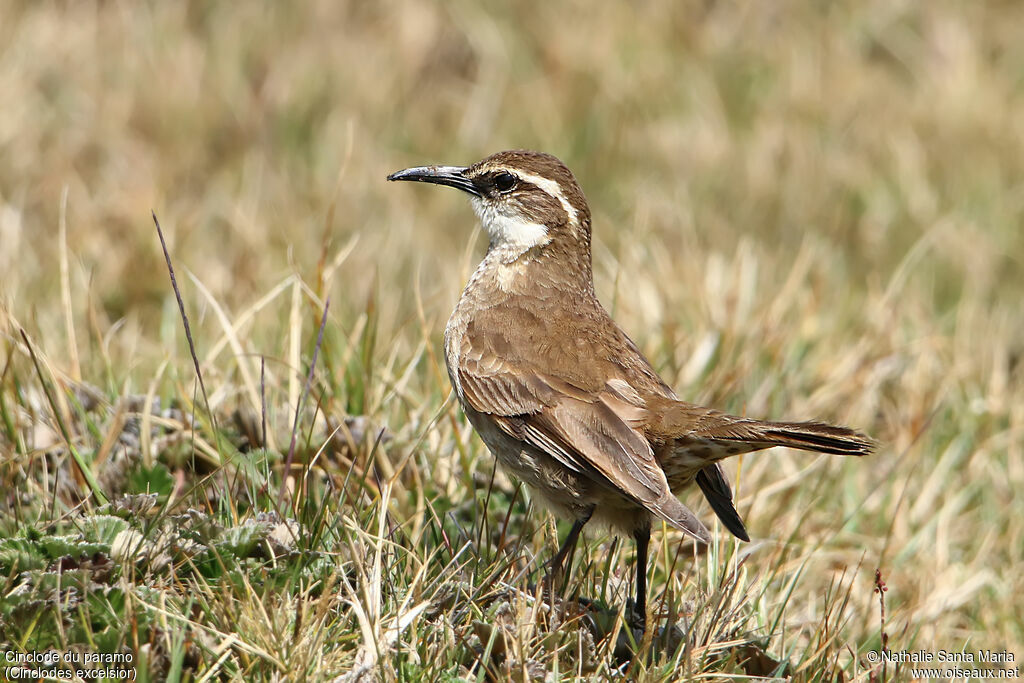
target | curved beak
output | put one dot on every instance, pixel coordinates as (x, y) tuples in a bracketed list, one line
[(452, 176)]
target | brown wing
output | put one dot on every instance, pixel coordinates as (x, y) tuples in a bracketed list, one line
[(583, 423)]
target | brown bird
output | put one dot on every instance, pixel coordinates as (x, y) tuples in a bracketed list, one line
[(561, 396)]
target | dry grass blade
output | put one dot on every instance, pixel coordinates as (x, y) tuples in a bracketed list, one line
[(286, 474), (184, 320), (85, 469)]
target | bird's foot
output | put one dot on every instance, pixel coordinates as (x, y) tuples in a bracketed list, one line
[(636, 617)]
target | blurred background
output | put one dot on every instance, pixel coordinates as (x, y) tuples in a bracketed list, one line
[(800, 210), (866, 128)]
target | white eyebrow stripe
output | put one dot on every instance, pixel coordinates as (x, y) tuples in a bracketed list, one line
[(552, 188)]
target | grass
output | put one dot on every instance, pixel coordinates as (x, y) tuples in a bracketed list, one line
[(800, 211)]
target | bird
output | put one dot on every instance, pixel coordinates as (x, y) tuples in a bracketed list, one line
[(560, 394)]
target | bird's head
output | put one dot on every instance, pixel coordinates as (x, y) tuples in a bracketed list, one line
[(525, 200)]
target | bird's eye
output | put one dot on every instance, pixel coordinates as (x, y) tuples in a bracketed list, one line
[(504, 182)]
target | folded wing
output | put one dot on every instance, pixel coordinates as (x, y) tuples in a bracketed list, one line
[(595, 434)]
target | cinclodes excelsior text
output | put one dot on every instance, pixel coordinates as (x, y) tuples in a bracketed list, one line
[(561, 396)]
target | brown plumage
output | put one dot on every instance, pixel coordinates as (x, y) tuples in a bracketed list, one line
[(559, 393)]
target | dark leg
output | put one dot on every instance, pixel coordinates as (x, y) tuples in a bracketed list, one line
[(555, 565), (642, 537)]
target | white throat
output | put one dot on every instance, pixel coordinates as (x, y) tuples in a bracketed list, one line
[(510, 235)]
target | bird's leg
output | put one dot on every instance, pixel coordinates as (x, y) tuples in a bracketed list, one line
[(556, 564), (643, 538)]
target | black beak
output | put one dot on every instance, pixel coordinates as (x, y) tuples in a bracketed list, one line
[(452, 176)]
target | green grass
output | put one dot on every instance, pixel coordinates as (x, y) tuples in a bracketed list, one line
[(809, 211)]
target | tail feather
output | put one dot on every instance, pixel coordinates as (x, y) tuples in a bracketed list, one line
[(807, 436), (819, 437), (700, 437), (716, 489)]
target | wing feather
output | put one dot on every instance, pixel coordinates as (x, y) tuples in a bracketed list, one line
[(596, 435)]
